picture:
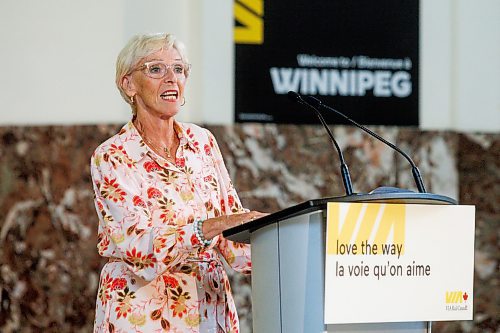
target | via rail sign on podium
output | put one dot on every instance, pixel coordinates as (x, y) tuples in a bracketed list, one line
[(384, 262)]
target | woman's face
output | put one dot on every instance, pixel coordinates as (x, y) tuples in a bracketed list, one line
[(161, 97)]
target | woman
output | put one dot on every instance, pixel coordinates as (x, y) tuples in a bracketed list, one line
[(163, 197)]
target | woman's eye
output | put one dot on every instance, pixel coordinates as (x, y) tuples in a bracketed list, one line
[(179, 69), (155, 69)]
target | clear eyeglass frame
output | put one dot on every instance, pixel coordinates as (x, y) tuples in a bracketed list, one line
[(159, 69)]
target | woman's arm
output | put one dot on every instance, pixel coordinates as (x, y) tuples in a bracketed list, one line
[(237, 255)]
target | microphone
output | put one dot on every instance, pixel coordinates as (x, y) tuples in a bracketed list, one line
[(346, 177), (316, 103)]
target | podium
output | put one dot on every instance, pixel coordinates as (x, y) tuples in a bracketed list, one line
[(288, 259)]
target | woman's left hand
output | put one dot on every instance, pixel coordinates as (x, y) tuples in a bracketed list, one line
[(216, 225)]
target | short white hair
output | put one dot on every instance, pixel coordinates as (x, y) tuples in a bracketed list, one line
[(139, 47)]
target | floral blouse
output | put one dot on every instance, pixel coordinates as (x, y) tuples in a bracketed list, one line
[(159, 277)]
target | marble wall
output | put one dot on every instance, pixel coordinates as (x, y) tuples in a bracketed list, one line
[(49, 264)]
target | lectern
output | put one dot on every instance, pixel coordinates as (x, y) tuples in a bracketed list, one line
[(288, 259)]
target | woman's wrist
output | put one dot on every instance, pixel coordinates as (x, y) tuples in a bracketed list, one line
[(198, 232), (212, 227)]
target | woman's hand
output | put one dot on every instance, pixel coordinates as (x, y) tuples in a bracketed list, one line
[(216, 225)]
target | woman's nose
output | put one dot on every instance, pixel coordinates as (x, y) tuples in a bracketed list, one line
[(170, 75)]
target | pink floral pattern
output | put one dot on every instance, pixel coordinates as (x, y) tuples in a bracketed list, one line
[(159, 277)]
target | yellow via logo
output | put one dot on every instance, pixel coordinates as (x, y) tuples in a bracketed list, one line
[(249, 14), (365, 228), (456, 297)]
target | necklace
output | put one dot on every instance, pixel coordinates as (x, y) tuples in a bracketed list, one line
[(156, 148), (163, 149)]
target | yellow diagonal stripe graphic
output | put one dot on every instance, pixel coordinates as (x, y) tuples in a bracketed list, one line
[(367, 223), (394, 217), (252, 29), (257, 6), (342, 230)]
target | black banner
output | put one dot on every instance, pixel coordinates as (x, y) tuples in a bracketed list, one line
[(359, 56)]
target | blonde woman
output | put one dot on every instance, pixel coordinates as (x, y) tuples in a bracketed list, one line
[(164, 196)]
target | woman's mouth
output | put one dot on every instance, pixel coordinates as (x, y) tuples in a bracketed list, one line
[(169, 95)]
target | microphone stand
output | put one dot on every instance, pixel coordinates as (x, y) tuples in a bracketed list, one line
[(414, 170), (344, 170)]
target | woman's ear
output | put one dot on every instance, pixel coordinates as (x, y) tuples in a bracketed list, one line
[(128, 85)]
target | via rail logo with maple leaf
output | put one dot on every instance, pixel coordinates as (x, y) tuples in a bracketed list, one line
[(456, 300)]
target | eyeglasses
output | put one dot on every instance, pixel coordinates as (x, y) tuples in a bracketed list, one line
[(158, 69)]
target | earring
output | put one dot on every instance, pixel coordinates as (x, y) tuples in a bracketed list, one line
[(183, 101), (132, 99)]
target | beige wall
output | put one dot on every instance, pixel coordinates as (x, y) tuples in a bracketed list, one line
[(460, 67), (58, 60), (58, 57)]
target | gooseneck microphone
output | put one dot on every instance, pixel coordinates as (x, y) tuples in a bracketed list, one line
[(346, 177), (316, 103)]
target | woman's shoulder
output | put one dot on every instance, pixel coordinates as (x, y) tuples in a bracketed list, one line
[(194, 131), (191, 127), (112, 142)]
